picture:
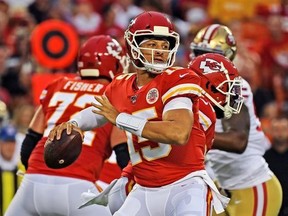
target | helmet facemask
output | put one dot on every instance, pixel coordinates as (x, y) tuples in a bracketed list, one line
[(232, 89), (135, 40)]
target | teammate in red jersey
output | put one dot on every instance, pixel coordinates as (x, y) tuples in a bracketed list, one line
[(222, 93), (158, 108), (46, 191)]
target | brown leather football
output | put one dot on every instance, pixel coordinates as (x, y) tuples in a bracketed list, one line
[(63, 152)]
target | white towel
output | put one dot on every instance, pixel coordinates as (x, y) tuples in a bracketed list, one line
[(89, 198)]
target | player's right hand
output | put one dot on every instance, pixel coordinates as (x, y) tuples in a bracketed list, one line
[(57, 131)]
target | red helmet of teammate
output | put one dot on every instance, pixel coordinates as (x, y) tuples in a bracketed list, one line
[(220, 82), (101, 56), (151, 25)]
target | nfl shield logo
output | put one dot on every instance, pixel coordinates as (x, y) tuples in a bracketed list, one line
[(133, 99)]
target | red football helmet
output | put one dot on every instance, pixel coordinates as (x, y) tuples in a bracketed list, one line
[(101, 56), (151, 25), (220, 82), (214, 38)]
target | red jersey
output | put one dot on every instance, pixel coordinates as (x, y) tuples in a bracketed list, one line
[(207, 118), (127, 171), (110, 170), (61, 100), (157, 164)]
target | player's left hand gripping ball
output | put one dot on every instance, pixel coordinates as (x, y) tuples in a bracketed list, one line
[(63, 152)]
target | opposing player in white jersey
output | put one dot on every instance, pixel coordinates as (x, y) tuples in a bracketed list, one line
[(236, 157), (46, 191)]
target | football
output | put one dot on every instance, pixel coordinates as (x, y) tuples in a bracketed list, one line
[(63, 152)]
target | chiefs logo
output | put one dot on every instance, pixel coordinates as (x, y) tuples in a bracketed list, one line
[(152, 96), (210, 65), (114, 49)]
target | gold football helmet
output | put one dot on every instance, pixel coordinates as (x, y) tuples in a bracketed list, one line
[(214, 38)]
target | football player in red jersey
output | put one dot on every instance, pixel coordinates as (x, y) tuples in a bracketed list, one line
[(158, 108), (46, 191), (221, 89), (245, 176)]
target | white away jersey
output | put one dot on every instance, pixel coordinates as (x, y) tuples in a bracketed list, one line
[(238, 171)]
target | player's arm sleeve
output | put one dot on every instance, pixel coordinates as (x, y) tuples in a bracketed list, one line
[(179, 103), (122, 154), (28, 144), (33, 135), (87, 120)]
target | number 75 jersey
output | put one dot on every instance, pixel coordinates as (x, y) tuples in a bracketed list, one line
[(157, 164)]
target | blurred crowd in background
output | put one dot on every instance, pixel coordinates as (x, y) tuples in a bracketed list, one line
[(260, 28)]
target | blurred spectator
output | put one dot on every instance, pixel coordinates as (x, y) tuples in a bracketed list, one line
[(19, 4), (275, 62), (4, 7), (98, 5), (12, 83), (277, 157), (5, 53), (125, 11), (249, 63), (62, 10), (86, 21), (39, 9), (4, 19), (108, 25), (22, 115), (153, 5), (182, 8), (270, 111), (9, 161), (184, 51), (4, 114), (254, 37), (15, 72)]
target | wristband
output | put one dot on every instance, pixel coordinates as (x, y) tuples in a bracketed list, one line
[(130, 123)]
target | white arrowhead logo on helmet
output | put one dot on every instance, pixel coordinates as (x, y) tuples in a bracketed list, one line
[(210, 66)]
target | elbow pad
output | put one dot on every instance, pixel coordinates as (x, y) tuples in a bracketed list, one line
[(122, 154), (28, 144)]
